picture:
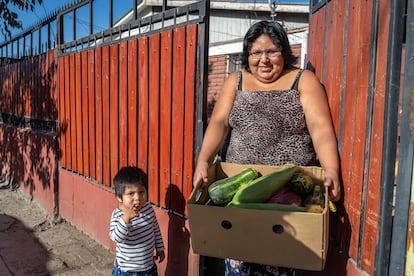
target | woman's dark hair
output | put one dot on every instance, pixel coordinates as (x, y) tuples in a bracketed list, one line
[(127, 176), (277, 33)]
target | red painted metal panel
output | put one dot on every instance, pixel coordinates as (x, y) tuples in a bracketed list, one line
[(48, 100), (16, 88), (61, 121), (114, 108), (143, 62), (316, 39), (27, 88), (333, 80), (12, 89), (177, 134), (2, 88), (78, 108), (363, 62), (2, 73), (85, 112), (5, 86), (20, 89), (354, 122), (190, 110), (72, 117), (165, 117), (36, 75), (68, 133), (123, 104), (350, 192), (368, 246), (91, 112), (37, 88), (153, 142), (53, 81), (132, 102), (99, 116), (105, 117), (33, 90), (44, 89), (375, 166), (335, 33)]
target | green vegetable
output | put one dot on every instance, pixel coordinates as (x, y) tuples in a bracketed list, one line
[(262, 188), (316, 198), (302, 184), (268, 206), (223, 190)]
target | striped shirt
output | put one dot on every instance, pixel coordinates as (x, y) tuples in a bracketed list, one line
[(135, 242)]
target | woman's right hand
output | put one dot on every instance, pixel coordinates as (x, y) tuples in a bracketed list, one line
[(201, 175)]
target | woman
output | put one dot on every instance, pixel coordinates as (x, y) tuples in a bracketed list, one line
[(276, 113)]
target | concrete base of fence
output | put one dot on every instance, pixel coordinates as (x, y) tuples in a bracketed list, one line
[(28, 160)]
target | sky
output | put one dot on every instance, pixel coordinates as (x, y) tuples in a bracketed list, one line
[(42, 11)]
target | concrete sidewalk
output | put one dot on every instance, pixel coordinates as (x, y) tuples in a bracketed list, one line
[(31, 244)]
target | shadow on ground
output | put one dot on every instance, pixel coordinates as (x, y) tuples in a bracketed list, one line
[(21, 253)]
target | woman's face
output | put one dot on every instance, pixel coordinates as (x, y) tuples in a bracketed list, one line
[(265, 59)]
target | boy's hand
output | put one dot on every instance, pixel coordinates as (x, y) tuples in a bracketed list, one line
[(128, 213), (160, 255)]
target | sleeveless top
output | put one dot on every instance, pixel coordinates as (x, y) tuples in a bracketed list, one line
[(269, 128)]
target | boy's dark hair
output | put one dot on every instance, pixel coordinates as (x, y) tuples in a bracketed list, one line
[(279, 37), (129, 176)]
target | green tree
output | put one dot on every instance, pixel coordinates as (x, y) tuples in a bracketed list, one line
[(9, 19)]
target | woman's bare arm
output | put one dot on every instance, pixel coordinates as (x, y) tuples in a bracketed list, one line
[(320, 126)]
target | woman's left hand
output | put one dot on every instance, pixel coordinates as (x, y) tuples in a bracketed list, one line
[(332, 183)]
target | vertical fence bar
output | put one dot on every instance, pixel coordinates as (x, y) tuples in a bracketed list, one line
[(132, 102), (154, 109), (165, 117), (91, 113), (178, 88), (123, 104), (143, 110), (402, 247)]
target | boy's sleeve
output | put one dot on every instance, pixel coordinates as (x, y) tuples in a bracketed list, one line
[(118, 229)]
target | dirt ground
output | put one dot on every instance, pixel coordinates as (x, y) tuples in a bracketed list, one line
[(31, 244)]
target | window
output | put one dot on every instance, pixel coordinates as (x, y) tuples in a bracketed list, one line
[(234, 63)]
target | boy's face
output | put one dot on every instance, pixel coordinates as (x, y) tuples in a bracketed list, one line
[(134, 197)]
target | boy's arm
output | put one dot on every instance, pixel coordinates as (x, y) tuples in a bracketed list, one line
[(160, 255), (118, 229)]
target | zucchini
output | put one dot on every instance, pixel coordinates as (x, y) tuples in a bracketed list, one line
[(268, 206), (262, 188), (223, 190)]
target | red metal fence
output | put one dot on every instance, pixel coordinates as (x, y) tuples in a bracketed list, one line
[(348, 47), (28, 88), (123, 104)]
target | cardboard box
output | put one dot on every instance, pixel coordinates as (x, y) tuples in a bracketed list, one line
[(289, 239)]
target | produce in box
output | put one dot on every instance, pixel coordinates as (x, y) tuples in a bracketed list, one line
[(223, 190)]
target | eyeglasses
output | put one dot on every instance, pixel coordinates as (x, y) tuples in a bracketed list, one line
[(271, 53)]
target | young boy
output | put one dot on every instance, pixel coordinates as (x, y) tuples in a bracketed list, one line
[(134, 226)]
